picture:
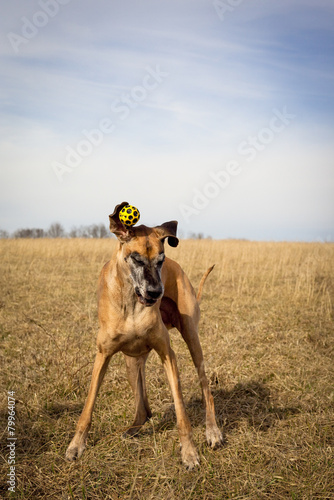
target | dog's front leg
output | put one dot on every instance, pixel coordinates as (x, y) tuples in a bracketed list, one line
[(189, 331), (78, 442), (188, 451)]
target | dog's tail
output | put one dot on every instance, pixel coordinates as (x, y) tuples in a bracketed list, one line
[(201, 285)]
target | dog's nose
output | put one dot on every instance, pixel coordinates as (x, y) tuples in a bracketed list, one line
[(154, 294)]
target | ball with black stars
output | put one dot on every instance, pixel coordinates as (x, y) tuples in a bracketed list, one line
[(129, 215)]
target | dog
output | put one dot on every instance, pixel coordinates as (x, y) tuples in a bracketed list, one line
[(141, 295)]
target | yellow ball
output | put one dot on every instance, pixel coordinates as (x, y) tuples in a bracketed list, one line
[(129, 215)]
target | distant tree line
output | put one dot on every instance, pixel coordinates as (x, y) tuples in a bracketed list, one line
[(198, 236), (56, 230)]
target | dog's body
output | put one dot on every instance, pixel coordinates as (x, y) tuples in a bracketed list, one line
[(142, 295)]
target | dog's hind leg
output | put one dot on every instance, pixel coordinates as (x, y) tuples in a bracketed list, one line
[(136, 374), (188, 451)]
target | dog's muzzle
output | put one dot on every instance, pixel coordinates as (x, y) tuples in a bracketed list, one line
[(150, 297)]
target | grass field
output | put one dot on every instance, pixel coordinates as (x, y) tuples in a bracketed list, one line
[(267, 336)]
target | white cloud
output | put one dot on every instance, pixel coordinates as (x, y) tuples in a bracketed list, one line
[(224, 79)]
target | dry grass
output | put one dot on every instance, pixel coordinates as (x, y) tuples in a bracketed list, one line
[(267, 335)]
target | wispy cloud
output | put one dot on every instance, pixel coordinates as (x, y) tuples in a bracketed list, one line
[(225, 78)]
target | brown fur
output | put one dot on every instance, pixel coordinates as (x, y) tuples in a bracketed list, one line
[(127, 324)]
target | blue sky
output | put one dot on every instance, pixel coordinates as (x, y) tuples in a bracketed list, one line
[(219, 114)]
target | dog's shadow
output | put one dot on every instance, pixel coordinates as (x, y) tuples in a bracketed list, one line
[(249, 401)]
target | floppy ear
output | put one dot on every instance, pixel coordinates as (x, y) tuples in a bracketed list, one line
[(168, 230), (122, 232)]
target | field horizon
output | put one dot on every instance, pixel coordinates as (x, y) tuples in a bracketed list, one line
[(267, 335)]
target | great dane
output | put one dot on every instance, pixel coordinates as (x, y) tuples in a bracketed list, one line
[(141, 295)]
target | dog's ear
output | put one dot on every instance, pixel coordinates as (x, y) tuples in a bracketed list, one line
[(168, 230), (122, 232)]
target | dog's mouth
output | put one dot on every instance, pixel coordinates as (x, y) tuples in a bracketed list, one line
[(145, 301)]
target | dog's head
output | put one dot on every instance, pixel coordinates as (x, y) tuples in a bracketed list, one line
[(142, 251)]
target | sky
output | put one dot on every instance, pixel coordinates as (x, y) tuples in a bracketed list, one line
[(218, 114)]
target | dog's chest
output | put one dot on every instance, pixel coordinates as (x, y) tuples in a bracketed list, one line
[(134, 334)]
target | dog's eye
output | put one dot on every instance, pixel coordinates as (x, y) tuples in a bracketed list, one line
[(137, 261)]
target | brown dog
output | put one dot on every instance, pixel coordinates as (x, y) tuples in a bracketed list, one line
[(141, 295)]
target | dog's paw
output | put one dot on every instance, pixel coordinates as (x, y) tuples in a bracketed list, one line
[(131, 432), (189, 456), (74, 451), (214, 437)]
